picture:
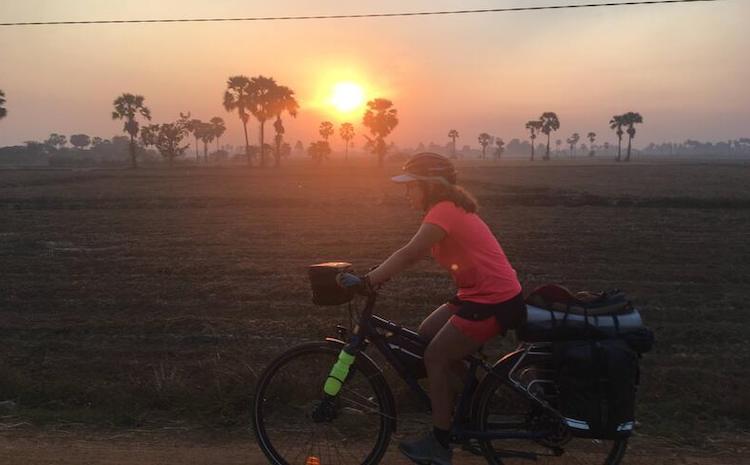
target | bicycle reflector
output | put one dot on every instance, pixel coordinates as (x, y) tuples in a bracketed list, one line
[(312, 460), (323, 281)]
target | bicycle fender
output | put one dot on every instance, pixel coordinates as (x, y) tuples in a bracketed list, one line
[(364, 358)]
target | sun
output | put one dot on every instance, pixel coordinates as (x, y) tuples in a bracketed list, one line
[(347, 96)]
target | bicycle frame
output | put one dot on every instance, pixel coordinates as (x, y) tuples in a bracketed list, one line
[(366, 332)]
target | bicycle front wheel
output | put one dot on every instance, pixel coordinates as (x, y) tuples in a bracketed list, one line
[(356, 432), (502, 408)]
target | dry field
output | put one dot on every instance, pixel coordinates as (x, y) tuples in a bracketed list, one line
[(153, 298)]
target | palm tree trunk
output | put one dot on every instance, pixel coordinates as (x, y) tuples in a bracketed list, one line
[(532, 149), (277, 153), (627, 158), (262, 145), (205, 152), (133, 162), (247, 145), (197, 155), (546, 156), (619, 148), (346, 153)]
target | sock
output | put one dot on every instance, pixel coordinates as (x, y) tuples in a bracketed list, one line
[(443, 436)]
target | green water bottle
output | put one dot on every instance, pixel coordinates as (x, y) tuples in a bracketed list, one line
[(338, 373)]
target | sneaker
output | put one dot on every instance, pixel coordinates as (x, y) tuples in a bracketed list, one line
[(426, 451)]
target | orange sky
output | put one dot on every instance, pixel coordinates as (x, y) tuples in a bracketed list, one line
[(683, 67)]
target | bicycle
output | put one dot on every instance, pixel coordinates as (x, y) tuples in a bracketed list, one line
[(507, 416)]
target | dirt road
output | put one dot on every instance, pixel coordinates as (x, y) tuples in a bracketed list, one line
[(175, 447)]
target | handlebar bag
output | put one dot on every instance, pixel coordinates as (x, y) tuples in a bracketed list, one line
[(325, 290)]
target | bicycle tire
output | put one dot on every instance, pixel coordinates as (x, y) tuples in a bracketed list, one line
[(373, 399), (493, 394)]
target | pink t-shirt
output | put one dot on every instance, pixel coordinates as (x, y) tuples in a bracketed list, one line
[(473, 256)]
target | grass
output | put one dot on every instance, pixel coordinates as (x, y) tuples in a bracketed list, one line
[(131, 298)]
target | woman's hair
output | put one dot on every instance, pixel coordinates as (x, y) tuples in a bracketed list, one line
[(437, 192)]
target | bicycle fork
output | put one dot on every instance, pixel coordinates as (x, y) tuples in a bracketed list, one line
[(326, 410)]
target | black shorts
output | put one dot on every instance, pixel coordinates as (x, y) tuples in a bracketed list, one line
[(510, 314)]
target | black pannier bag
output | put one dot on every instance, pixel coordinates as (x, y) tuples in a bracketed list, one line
[(323, 281), (597, 381)]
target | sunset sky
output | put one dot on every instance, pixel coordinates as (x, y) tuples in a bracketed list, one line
[(684, 67)]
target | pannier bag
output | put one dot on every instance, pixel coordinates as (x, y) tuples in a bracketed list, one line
[(325, 290), (597, 383)]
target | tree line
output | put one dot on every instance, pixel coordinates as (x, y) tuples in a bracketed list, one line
[(259, 97), (263, 99), (548, 123)]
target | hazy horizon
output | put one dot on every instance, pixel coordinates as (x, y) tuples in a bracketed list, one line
[(678, 65)]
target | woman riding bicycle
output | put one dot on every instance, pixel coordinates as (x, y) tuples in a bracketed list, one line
[(489, 298)]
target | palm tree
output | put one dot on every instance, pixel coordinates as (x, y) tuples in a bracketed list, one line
[(325, 130), (217, 123), (3, 110), (282, 101), (484, 141), (191, 126), (630, 119), (262, 90), (534, 126), (550, 123), (572, 141), (237, 96), (592, 138), (381, 118), (453, 135), (205, 132), (500, 148), (346, 131), (128, 107), (617, 123)]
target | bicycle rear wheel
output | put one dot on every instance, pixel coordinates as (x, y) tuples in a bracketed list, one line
[(290, 390), (500, 407)]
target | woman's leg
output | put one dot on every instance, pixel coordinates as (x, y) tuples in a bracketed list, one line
[(427, 331), (435, 322), (446, 350)]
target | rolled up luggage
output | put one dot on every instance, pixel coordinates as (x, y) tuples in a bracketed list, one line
[(550, 325)]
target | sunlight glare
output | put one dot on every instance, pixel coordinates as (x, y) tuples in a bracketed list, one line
[(347, 96)]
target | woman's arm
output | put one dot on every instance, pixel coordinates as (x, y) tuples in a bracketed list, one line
[(418, 247)]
